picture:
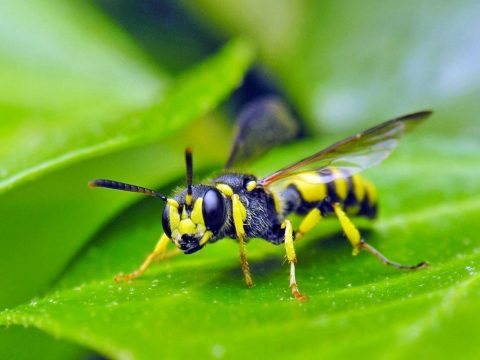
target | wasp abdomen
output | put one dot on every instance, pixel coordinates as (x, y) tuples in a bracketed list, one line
[(305, 192)]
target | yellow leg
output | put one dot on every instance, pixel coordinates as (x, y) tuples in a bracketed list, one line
[(157, 253), (308, 223), (292, 259), (239, 216), (353, 235)]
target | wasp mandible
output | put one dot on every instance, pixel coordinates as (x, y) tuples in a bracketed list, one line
[(242, 206)]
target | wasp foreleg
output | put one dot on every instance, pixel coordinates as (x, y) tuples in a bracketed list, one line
[(359, 243), (239, 216), (158, 252)]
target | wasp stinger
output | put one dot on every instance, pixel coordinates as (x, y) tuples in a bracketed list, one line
[(242, 206)]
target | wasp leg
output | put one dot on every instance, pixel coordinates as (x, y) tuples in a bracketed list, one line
[(239, 216), (292, 259), (358, 243), (158, 252), (308, 223)]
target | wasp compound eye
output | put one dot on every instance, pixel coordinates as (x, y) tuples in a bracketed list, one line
[(213, 210), (166, 221)]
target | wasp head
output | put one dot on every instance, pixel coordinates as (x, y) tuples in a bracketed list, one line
[(192, 219)]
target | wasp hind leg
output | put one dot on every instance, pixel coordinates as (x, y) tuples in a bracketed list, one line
[(157, 253), (359, 243)]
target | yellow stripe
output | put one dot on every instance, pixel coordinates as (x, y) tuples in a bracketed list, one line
[(239, 215), (309, 186), (186, 227), (225, 189), (371, 191), (188, 199), (174, 217), (251, 185), (184, 213), (173, 203), (197, 214), (358, 188), (341, 184)]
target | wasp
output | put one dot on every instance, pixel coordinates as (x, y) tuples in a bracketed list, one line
[(242, 206)]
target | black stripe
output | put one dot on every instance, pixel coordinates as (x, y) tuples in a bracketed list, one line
[(351, 199), (332, 193), (367, 208)]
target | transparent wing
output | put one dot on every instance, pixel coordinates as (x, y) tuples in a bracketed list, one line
[(262, 125), (353, 154)]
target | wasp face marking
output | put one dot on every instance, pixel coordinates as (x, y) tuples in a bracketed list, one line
[(185, 225)]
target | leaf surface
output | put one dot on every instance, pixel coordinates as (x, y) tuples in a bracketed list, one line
[(70, 94)]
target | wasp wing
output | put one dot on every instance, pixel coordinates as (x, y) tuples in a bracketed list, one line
[(353, 154), (261, 125)]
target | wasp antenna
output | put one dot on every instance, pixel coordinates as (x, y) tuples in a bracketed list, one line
[(116, 185), (189, 163)]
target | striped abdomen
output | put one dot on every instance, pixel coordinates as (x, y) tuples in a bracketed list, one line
[(305, 192)]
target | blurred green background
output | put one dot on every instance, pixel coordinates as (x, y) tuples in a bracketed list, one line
[(93, 89)]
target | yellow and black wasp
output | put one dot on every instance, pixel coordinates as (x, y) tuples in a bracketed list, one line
[(242, 206)]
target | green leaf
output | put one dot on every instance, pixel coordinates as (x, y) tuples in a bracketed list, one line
[(66, 73), (198, 305), (20, 343), (104, 101)]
